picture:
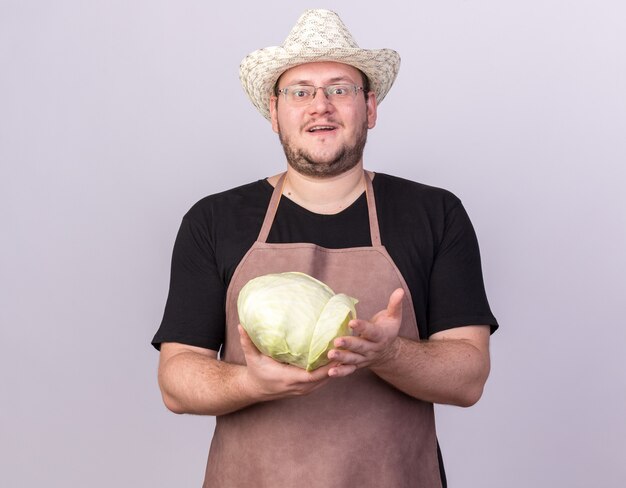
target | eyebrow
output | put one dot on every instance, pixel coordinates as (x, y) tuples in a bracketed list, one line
[(331, 81)]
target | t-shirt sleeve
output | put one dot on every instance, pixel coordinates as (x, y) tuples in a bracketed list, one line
[(194, 311), (457, 293)]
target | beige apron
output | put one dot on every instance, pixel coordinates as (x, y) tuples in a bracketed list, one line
[(356, 431)]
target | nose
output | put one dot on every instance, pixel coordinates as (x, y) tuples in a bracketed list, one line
[(320, 103), (323, 92)]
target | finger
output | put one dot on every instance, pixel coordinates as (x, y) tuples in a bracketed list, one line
[(299, 375), (243, 335), (394, 307), (358, 326), (348, 357), (248, 347), (360, 329), (321, 372), (340, 370), (357, 344)]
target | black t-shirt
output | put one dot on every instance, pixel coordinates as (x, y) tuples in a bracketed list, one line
[(425, 230)]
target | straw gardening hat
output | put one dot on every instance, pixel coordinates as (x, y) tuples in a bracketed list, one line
[(319, 35)]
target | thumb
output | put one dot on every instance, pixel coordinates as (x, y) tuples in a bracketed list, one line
[(394, 307), (246, 343)]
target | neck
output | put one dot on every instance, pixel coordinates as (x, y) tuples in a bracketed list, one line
[(324, 195)]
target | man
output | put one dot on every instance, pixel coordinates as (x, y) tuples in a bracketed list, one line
[(406, 251)]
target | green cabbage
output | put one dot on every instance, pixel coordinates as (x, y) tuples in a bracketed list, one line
[(294, 318)]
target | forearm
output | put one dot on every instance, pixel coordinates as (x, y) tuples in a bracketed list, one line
[(194, 383), (438, 371), (193, 380)]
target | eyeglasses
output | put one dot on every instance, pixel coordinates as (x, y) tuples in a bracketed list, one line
[(302, 95)]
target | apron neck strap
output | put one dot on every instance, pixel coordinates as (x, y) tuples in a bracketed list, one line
[(278, 191), (371, 210), (271, 209)]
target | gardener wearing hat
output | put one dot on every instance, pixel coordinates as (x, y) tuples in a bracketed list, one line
[(405, 250)]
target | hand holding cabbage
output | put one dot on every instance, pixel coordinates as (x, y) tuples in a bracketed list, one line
[(294, 318)]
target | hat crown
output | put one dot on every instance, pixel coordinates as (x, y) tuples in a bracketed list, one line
[(319, 29)]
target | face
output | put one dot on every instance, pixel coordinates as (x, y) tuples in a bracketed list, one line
[(323, 139)]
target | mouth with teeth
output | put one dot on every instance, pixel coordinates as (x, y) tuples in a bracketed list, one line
[(321, 128)]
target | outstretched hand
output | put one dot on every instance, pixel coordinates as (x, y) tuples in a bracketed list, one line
[(372, 340)]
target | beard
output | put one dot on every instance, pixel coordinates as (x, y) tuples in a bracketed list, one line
[(344, 159)]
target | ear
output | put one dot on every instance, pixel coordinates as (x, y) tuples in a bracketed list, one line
[(274, 113), (372, 107)]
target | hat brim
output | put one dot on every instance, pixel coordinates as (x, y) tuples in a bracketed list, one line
[(260, 70)]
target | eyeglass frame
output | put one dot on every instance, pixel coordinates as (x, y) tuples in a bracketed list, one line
[(355, 88)]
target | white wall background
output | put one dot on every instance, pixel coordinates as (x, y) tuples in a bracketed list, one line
[(116, 116)]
